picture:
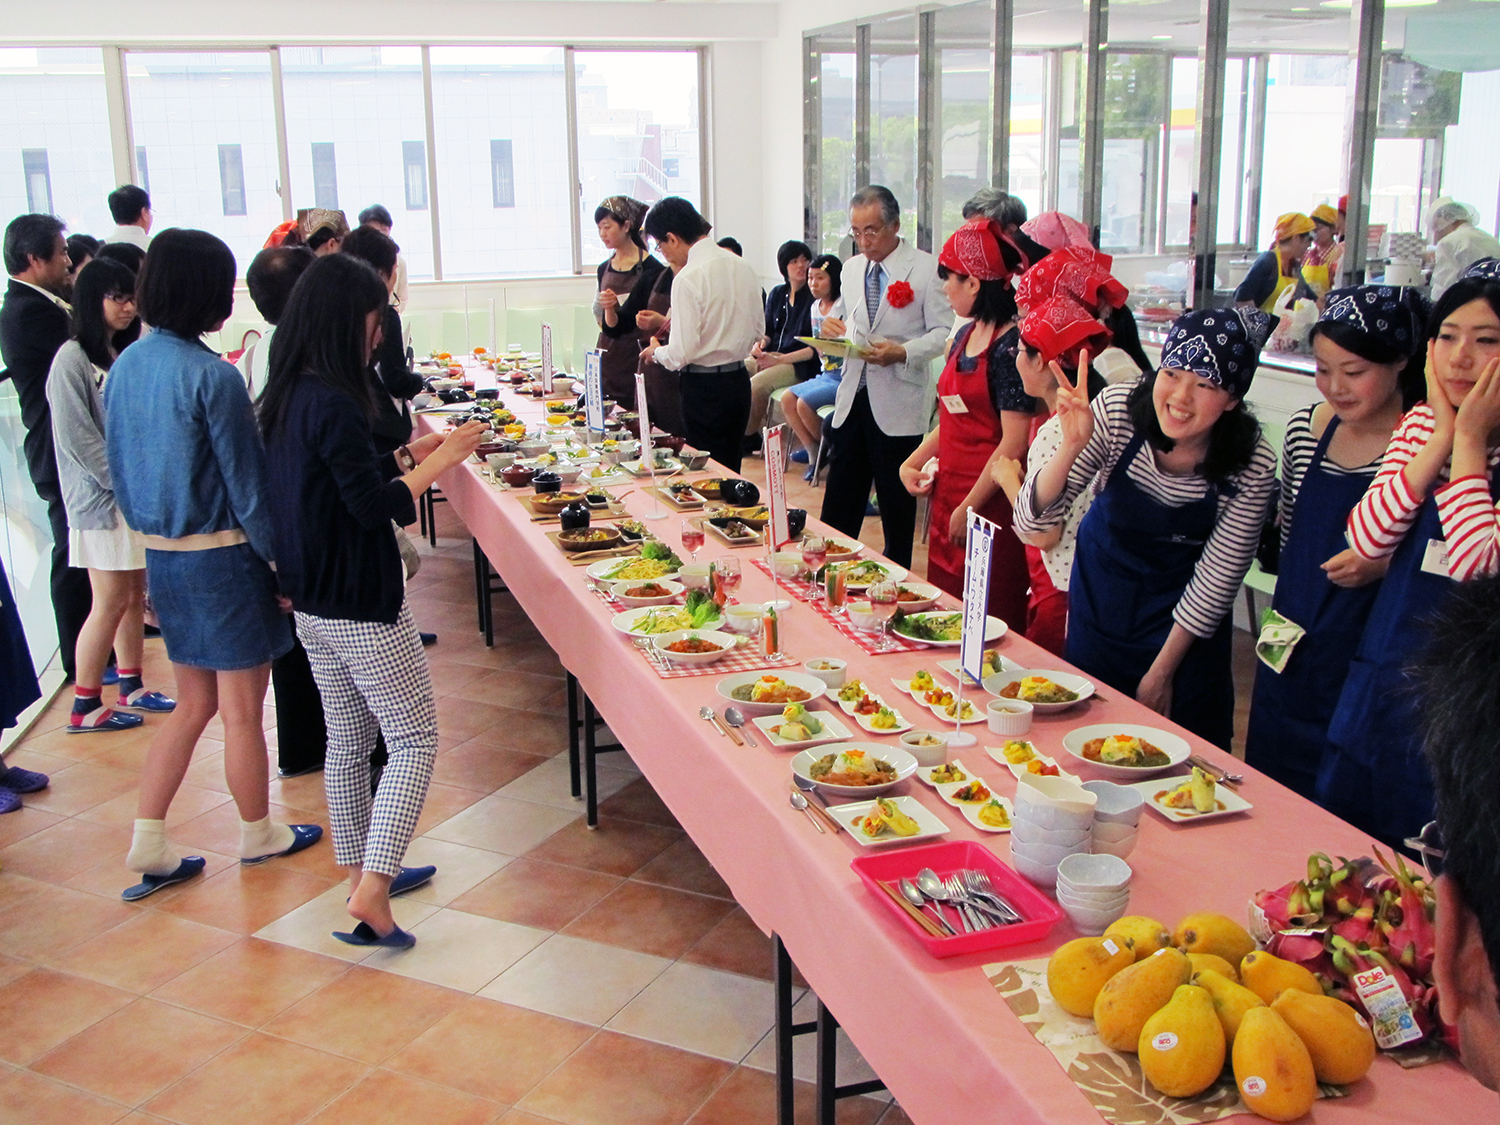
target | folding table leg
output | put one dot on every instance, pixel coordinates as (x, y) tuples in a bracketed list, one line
[(829, 1090), (479, 584), (590, 779), (575, 781), (786, 1030)]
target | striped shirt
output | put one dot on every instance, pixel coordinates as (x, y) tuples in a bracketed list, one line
[(1297, 451), (1210, 593), (1470, 525)]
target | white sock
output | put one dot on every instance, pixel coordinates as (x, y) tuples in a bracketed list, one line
[(261, 837), (150, 854)]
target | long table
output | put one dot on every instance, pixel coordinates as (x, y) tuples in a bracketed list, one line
[(935, 1031)]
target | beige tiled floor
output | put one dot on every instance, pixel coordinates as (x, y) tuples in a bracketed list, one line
[(560, 975)]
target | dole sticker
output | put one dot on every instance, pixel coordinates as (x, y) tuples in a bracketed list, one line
[(1254, 1086), (1165, 1041)]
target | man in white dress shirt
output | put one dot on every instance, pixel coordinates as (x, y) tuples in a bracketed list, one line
[(899, 316), (130, 207), (717, 317)]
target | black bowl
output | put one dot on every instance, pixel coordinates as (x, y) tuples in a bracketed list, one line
[(796, 521), (487, 393), (740, 493), (546, 482)]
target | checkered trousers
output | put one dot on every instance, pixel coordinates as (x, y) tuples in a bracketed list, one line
[(373, 677)]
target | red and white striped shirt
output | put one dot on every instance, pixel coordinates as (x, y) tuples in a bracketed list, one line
[(1470, 522)]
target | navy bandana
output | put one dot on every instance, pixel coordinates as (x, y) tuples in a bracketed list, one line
[(1392, 314), (1220, 345), (1486, 268)]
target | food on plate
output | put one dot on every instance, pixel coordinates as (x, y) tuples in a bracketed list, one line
[(990, 663), (994, 814), (1273, 1067), (1080, 968), (938, 697), (1018, 753), (972, 793), (649, 590), (925, 739), (867, 705), (1181, 1046), (906, 594), (942, 775), (1042, 769), (1135, 994), (1196, 793), (596, 499), (699, 612), (935, 627), (770, 689), (852, 692), (798, 724), (587, 535), (885, 816), (884, 719), (602, 471), (1124, 750), (1038, 689), (694, 645), (656, 560), (951, 709), (922, 681), (863, 573), (680, 488), (852, 767), (734, 529), (631, 527)]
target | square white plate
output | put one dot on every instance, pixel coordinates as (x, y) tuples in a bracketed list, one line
[(849, 817), (1230, 801), (975, 714), (902, 723), (971, 814), (951, 667), (925, 774), (1020, 771), (833, 730)]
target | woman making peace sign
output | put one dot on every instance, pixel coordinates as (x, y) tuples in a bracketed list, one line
[(1182, 476)]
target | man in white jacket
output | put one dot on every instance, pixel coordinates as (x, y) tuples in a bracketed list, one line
[(898, 319), (1459, 243)]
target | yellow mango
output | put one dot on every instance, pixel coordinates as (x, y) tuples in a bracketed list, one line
[(1272, 1067), (1231, 1000), (1213, 961), (1336, 1036), (1144, 935), (1213, 933), (1182, 1046), (1268, 976), (1135, 994), (1079, 969)]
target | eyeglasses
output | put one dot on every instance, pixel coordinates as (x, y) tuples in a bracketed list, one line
[(858, 233), (1429, 845), (120, 298)]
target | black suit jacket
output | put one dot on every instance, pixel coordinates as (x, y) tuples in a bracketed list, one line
[(32, 328)]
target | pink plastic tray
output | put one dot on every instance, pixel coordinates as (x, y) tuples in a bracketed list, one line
[(1040, 912)]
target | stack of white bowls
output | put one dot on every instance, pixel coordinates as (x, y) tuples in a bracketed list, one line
[(1093, 890), (1053, 819), (1117, 817)]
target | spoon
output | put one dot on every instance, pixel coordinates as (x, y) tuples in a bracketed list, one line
[(933, 888), (912, 895), (735, 718), (707, 714), (799, 802), (808, 785)]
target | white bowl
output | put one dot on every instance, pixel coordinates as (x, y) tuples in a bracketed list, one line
[(744, 619), (860, 615), (1042, 874), (1092, 923), (1031, 833), (833, 675), (1008, 716), (1085, 688), (926, 755), (1176, 748), (1118, 804), (788, 564), (1067, 896), (726, 686), (625, 599), (1119, 848), (694, 576), (498, 461), (1051, 817), (1109, 832), (1096, 872), (1091, 896), (569, 474), (1056, 792), (725, 641), (904, 764), (929, 592), (1050, 854)]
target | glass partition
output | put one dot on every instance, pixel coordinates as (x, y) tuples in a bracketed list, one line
[(893, 113), (961, 157), (834, 115), (1027, 171)]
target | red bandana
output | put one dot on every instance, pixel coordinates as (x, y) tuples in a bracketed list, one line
[(1079, 272), (973, 250), (1059, 327), (1054, 230)]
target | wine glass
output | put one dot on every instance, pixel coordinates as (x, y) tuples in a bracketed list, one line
[(884, 601), (692, 537), (814, 554), (729, 572)]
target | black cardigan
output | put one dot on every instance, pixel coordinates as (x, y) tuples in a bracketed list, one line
[(625, 313), (336, 554), (785, 321)]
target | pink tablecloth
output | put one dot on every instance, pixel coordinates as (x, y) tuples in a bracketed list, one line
[(935, 1031)]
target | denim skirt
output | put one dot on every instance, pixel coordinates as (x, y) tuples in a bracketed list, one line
[(217, 608)]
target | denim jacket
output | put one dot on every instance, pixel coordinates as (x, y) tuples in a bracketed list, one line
[(184, 449)]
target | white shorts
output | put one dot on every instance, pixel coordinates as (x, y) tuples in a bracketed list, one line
[(112, 548)]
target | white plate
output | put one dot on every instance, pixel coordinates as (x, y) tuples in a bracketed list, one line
[(1020, 771), (1084, 688), (903, 763), (605, 481), (797, 679), (924, 773), (994, 629), (626, 622), (893, 573), (601, 570), (727, 643), (636, 469), (901, 727), (849, 817), (951, 667), (1223, 795), (833, 730), (930, 595), (971, 814), (625, 599), (1176, 748), (942, 715), (948, 788), (842, 550)]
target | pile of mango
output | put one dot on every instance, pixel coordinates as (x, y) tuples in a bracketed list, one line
[(1186, 1001)]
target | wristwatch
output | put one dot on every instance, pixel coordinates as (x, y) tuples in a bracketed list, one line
[(405, 459)]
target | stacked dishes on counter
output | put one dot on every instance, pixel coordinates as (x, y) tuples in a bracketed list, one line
[(1117, 817), (1093, 890), (1053, 819)]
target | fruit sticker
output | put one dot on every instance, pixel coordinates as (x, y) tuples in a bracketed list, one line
[(1165, 1041), (1110, 947), (1254, 1086)]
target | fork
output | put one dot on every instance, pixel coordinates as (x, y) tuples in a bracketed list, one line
[(977, 915), (977, 882), (1219, 773)]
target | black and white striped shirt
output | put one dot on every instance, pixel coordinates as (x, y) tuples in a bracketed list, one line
[(1231, 546)]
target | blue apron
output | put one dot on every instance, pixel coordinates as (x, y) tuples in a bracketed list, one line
[(1291, 709), (1372, 773), (1134, 559)]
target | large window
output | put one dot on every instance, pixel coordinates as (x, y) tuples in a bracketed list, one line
[(835, 109), (893, 113), (966, 63)]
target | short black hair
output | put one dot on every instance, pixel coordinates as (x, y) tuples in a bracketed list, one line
[(376, 213), (732, 245), (321, 235), (101, 278), (675, 215), (272, 274), (995, 303), (126, 253), (1231, 443), (830, 264), (372, 246), (1455, 297), (788, 252), (186, 284), (31, 236), (127, 202), (890, 210), (81, 246)]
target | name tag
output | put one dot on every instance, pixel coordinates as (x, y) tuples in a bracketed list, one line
[(954, 404), (1435, 558)]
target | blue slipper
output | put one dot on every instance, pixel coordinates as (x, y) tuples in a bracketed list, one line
[(23, 781), (411, 878), (115, 720), (143, 700), (364, 934), (800, 456), (111, 676), (150, 884), (303, 836), (10, 801)]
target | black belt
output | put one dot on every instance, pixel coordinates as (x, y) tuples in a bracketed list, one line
[(717, 369)]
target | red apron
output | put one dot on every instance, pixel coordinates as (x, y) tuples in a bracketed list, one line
[(1047, 607), (966, 440)]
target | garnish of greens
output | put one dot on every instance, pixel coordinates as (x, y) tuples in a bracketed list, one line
[(655, 549), (943, 627)]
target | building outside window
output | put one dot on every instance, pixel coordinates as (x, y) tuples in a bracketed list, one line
[(502, 174), (38, 180), (142, 169), (414, 169), (232, 179), (325, 176)]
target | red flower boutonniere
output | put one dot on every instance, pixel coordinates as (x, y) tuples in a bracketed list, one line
[(899, 294)]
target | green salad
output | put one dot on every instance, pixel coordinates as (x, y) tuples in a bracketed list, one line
[(931, 627), (700, 612)]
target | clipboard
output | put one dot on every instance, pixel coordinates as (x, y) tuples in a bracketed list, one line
[(843, 348)]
